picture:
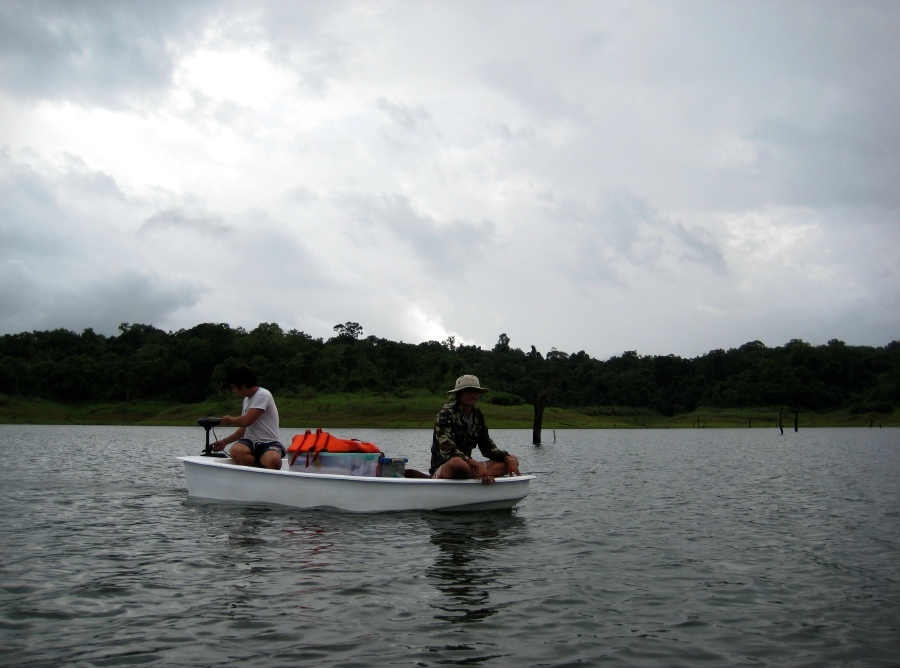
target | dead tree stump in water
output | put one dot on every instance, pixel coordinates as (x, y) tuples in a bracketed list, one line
[(540, 402)]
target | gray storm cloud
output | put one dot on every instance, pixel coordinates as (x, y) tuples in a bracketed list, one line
[(670, 177)]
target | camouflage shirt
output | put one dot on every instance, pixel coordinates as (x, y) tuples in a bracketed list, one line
[(457, 436)]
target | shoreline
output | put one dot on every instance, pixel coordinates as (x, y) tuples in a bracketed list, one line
[(417, 412)]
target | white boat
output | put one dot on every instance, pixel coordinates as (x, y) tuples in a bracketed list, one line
[(223, 480)]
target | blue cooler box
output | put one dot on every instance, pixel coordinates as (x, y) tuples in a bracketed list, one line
[(392, 467)]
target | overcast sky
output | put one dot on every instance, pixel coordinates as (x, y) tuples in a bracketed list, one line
[(664, 177)]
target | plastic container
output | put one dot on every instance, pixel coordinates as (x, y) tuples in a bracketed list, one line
[(392, 467), (339, 463)]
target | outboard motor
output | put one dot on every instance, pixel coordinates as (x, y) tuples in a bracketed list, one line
[(208, 423)]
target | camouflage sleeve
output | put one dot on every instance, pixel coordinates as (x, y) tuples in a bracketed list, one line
[(443, 436), (486, 444)]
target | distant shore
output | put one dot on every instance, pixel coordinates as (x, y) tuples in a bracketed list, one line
[(417, 412)]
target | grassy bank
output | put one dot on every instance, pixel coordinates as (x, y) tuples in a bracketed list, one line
[(416, 411)]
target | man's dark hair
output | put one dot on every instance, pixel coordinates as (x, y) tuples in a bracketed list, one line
[(242, 377)]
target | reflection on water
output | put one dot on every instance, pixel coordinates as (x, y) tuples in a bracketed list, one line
[(634, 548), (471, 562), (314, 540)]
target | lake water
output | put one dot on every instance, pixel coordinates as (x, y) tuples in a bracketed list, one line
[(634, 548)]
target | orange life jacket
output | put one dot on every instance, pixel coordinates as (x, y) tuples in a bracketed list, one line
[(321, 441)]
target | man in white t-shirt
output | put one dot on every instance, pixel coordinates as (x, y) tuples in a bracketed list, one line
[(256, 439)]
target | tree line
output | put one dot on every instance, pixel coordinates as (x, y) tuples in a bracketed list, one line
[(142, 362)]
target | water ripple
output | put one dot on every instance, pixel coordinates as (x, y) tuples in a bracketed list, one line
[(676, 548)]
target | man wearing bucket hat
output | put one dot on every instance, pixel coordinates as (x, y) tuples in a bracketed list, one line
[(458, 428)]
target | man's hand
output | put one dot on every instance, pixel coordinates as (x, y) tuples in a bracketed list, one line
[(243, 421), (480, 471), (512, 465)]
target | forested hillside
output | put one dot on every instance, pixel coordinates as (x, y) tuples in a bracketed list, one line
[(145, 363)]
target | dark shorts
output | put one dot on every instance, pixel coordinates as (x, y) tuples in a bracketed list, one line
[(259, 448)]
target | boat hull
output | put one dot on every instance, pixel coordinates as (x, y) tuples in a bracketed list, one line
[(221, 479)]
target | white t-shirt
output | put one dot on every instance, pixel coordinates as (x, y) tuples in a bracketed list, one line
[(266, 426)]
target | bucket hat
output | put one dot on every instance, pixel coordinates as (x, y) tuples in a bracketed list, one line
[(467, 383)]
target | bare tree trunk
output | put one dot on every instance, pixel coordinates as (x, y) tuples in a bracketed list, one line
[(540, 402)]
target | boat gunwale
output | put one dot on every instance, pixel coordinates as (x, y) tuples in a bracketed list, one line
[(228, 463)]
